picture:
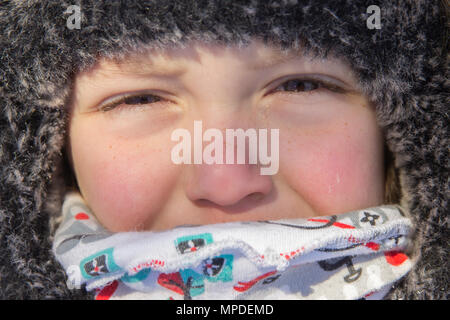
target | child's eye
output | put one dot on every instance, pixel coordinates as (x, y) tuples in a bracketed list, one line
[(307, 85), (129, 101)]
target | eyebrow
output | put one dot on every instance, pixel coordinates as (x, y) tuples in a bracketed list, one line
[(141, 68), (274, 59), (144, 67)]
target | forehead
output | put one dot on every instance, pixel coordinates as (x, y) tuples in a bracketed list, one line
[(255, 58), (174, 61)]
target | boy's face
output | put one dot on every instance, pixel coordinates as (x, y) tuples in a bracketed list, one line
[(330, 147)]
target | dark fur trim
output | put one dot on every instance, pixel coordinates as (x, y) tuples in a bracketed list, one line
[(402, 68)]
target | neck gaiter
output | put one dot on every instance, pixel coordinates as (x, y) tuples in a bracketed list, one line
[(354, 255)]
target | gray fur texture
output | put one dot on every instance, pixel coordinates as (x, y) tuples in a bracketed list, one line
[(402, 68)]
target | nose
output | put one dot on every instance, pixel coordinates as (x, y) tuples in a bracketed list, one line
[(224, 185)]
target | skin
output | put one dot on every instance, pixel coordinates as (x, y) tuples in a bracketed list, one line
[(330, 147)]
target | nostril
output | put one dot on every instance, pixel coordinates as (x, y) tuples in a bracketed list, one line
[(243, 204), (255, 196)]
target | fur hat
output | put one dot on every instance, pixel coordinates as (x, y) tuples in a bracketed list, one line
[(401, 66)]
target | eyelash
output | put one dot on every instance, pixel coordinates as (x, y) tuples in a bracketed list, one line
[(307, 85), (131, 100)]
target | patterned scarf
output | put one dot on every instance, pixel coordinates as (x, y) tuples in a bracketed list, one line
[(354, 255)]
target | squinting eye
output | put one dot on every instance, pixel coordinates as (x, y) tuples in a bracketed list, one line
[(298, 85), (130, 101), (141, 99)]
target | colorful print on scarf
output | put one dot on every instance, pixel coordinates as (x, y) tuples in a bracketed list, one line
[(354, 255)]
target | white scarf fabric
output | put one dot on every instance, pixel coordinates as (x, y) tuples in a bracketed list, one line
[(354, 255)]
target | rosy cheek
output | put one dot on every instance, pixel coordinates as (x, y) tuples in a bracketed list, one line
[(336, 171), (118, 181), (335, 176)]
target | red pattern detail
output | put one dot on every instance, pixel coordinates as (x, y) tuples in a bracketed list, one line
[(343, 225), (289, 255), (336, 224), (148, 264), (82, 216), (244, 286), (372, 245), (395, 258), (108, 291), (171, 281)]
